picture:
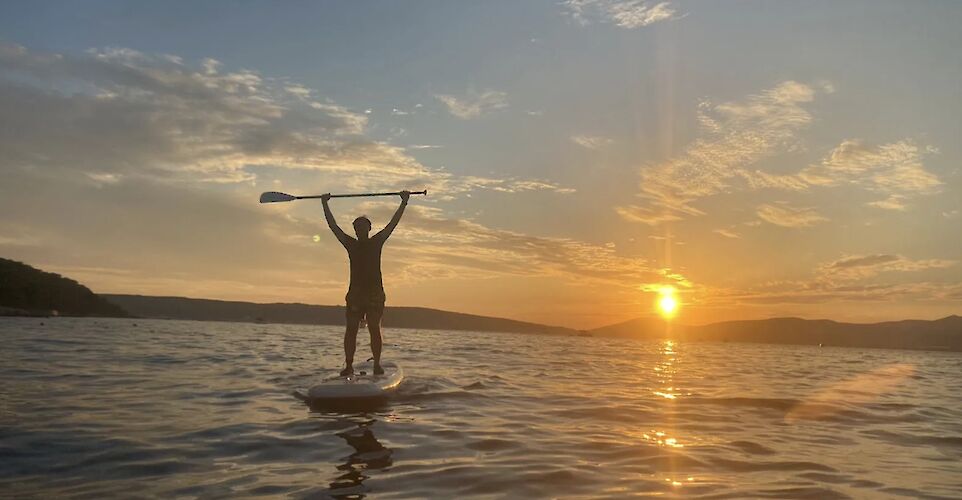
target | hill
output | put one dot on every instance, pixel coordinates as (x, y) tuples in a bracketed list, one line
[(943, 334), (394, 317), (27, 291), (646, 327)]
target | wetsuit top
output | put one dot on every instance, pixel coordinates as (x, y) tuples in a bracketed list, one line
[(366, 284)]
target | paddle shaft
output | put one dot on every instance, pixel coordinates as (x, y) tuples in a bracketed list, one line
[(358, 195)]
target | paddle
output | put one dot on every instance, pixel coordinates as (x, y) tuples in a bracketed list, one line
[(274, 196)]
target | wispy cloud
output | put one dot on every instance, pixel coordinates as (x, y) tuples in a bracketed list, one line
[(864, 266), (646, 215), (296, 89), (843, 279), (622, 13), (591, 141), (893, 202), (893, 169), (781, 214), (847, 279), (474, 104), (818, 292), (19, 240), (472, 250), (128, 140), (463, 184), (133, 115), (728, 233), (738, 135)]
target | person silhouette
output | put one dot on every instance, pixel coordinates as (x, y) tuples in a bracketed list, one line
[(365, 294)]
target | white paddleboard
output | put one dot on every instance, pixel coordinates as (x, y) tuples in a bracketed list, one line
[(362, 384)]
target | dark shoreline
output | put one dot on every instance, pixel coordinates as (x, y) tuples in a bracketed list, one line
[(680, 333)]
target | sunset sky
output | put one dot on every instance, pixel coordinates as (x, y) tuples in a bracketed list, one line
[(763, 158)]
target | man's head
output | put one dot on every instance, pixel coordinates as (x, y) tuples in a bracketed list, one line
[(362, 227)]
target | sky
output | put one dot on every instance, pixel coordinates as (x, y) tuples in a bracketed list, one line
[(761, 158)]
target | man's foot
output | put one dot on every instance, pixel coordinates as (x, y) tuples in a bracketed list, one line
[(378, 370), (347, 371)]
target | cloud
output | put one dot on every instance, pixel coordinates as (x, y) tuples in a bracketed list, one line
[(727, 233), (471, 250), (820, 293), (474, 104), (167, 239), (296, 89), (864, 266), (784, 215), (825, 291), (863, 261), (839, 280), (893, 202), (843, 279), (591, 141), (622, 13), (125, 147), (466, 183), (893, 169), (18, 240), (738, 135), (164, 238), (645, 215), (115, 113)]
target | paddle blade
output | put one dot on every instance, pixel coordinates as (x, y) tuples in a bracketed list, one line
[(274, 196)]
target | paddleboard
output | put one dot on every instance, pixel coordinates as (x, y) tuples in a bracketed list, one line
[(363, 384)]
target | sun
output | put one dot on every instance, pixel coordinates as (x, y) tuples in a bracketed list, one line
[(667, 303)]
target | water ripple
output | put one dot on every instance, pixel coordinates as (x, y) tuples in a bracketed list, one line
[(115, 408)]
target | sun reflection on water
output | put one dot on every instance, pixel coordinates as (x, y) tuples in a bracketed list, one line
[(665, 371), (659, 438)]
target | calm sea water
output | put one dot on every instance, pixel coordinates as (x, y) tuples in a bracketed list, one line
[(118, 408)]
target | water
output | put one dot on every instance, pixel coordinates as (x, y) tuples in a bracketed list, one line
[(119, 408)]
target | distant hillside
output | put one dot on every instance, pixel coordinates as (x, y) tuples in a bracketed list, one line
[(648, 327), (396, 317), (27, 291), (943, 334)]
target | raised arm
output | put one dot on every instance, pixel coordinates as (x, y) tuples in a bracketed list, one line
[(340, 234), (389, 228)]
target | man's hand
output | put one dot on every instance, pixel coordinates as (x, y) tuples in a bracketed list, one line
[(405, 195), (326, 197)]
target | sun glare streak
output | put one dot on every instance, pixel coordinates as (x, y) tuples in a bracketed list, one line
[(863, 388)]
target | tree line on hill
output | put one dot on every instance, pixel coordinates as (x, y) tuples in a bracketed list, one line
[(394, 316), (27, 291)]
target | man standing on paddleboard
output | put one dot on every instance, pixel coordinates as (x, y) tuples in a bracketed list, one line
[(365, 295)]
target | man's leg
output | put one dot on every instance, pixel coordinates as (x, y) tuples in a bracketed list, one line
[(350, 340), (374, 327)]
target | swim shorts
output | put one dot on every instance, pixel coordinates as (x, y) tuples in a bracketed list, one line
[(360, 307)]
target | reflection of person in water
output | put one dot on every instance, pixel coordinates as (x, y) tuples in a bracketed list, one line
[(365, 296), (368, 454)]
